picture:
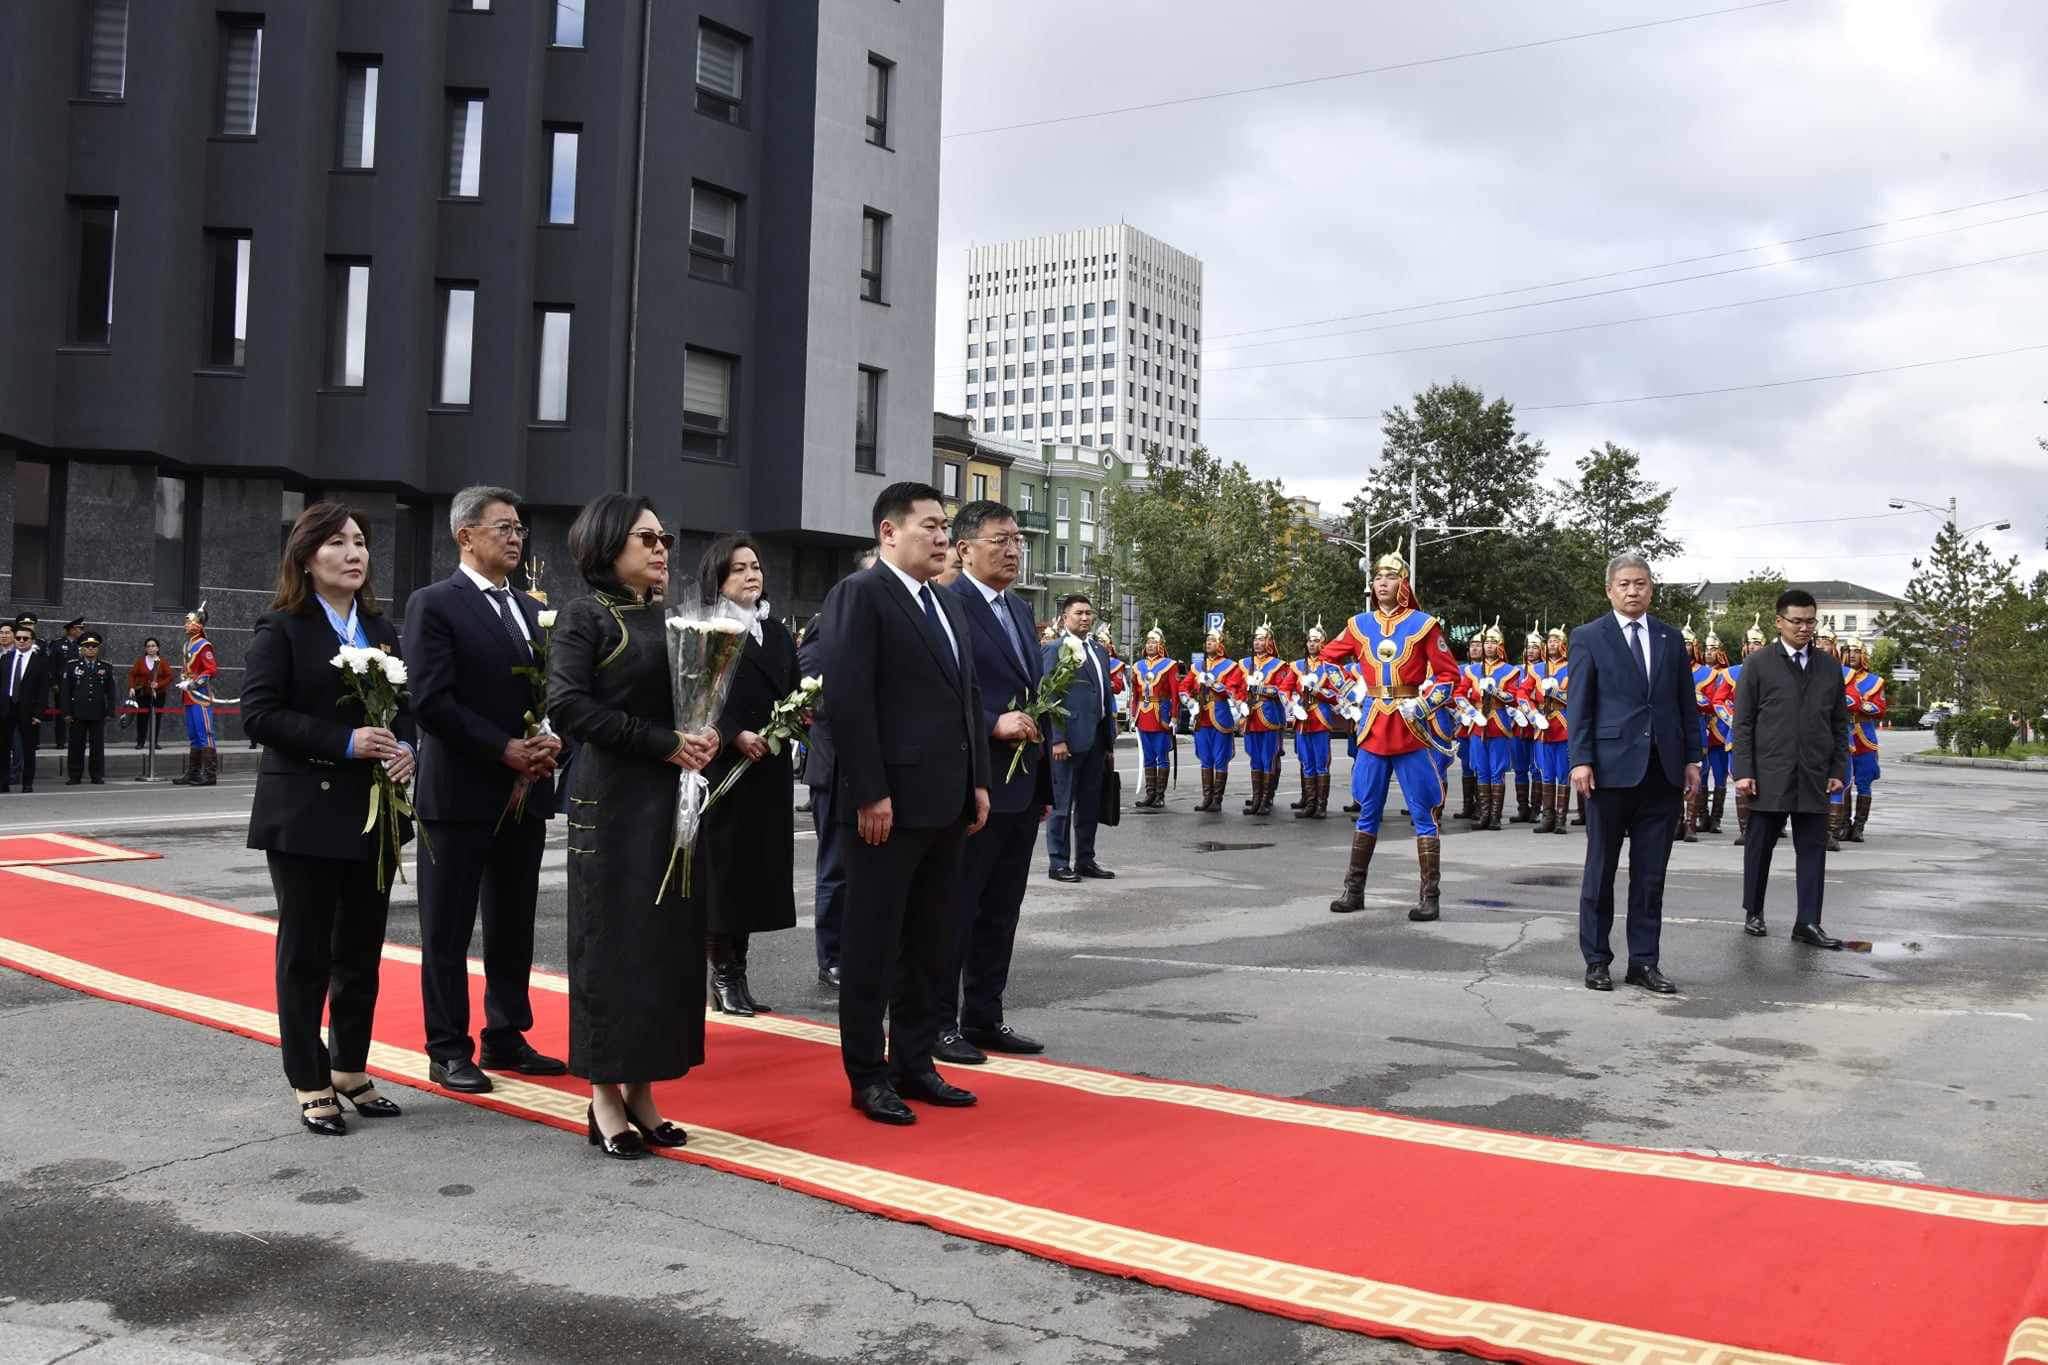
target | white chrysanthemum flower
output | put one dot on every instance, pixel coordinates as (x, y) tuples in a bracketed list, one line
[(394, 669), (1074, 649)]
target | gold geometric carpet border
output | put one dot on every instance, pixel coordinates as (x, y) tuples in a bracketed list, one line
[(1313, 1292), (2029, 1342), (1975, 1208), (88, 850)]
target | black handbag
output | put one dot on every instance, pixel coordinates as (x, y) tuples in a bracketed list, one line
[(1112, 804)]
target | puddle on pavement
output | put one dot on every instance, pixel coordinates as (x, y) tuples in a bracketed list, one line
[(1211, 846), (1906, 949)]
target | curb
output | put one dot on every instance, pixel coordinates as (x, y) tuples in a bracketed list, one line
[(2011, 765)]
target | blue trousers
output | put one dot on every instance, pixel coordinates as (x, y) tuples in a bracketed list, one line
[(1076, 808), (1524, 761), (1214, 749), (1262, 751), (829, 900), (1312, 751), (1553, 760), (1490, 758), (1643, 817), (1422, 787), (1863, 771), (1155, 749), (199, 727), (1717, 768)]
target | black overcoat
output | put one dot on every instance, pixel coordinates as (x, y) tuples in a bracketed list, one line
[(636, 969), (1791, 729), (748, 847)]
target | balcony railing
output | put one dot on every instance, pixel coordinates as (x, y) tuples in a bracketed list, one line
[(1033, 521)]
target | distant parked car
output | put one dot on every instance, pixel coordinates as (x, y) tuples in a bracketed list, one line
[(1933, 716)]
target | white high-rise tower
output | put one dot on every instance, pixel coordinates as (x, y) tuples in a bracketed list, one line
[(1091, 337)]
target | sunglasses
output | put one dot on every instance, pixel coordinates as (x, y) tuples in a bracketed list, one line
[(650, 539)]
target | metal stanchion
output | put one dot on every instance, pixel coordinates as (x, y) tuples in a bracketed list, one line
[(153, 715)]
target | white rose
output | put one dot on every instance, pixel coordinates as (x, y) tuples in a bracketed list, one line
[(813, 684), (1074, 649), (547, 620)]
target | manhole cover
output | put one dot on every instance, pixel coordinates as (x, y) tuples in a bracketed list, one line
[(1210, 846)]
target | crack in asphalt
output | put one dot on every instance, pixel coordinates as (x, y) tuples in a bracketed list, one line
[(1041, 1334), (174, 1161), (1486, 974)]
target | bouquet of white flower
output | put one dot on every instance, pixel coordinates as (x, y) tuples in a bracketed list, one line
[(702, 650), (1050, 700), (376, 678), (789, 722), (536, 717)]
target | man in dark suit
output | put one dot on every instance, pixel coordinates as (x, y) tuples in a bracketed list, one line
[(996, 865), (24, 683), (828, 889), (1791, 755), (465, 638), (1635, 754), (1083, 746), (910, 777)]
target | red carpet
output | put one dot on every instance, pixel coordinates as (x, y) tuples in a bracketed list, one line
[(48, 850), (1510, 1247)]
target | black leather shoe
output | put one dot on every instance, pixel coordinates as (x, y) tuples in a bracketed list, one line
[(663, 1134), (1597, 979), (626, 1146), (951, 1047), (828, 977), (1002, 1038), (1100, 874), (525, 1061), (460, 1075), (882, 1104), (1650, 979), (1753, 925), (929, 1087), (328, 1125), (1064, 874), (1814, 937), (375, 1106)]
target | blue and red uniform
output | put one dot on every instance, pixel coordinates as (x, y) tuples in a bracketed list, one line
[(1408, 675), (1155, 692), (1269, 692), (1319, 687)]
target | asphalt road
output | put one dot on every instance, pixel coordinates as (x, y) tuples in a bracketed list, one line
[(156, 1197)]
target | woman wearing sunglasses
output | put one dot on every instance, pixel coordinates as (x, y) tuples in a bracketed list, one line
[(636, 963)]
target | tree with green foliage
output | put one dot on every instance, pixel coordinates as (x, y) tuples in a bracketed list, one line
[(2013, 661), (1940, 630), (1754, 599), (1615, 508)]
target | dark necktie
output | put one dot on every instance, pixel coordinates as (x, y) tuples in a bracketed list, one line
[(14, 674), (1635, 647), (1800, 657), (503, 598), (1009, 625), (931, 621)]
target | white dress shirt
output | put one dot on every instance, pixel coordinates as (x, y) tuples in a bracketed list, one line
[(916, 591), (1797, 656), (487, 587), (1643, 659)]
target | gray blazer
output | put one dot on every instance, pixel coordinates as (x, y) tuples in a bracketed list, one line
[(1791, 729)]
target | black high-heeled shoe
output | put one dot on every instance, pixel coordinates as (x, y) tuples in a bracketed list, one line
[(330, 1125), (663, 1134), (375, 1107), (626, 1146)]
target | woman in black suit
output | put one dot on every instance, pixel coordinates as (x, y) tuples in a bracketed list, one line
[(311, 794), (749, 842), (636, 947)]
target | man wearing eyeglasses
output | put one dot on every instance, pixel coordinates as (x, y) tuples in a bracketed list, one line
[(1791, 756), (24, 675), (485, 791)]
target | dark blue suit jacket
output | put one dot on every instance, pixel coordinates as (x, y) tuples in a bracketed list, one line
[(1088, 720), (459, 661), (1004, 682), (1616, 719)]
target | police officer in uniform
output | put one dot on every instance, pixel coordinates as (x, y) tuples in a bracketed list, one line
[(86, 699), (63, 653)]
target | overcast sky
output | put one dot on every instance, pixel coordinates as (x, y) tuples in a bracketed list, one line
[(1598, 155)]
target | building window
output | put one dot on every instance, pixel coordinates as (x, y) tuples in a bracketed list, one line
[(174, 565), (568, 23), (38, 488), (1061, 551), (707, 403), (348, 322), (472, 6), (867, 423), (92, 311), (465, 179), (412, 551), (551, 366), (241, 73), (880, 72), (949, 479), (974, 349), (874, 229), (227, 299), (1060, 506), (1009, 424), (1027, 421), (1026, 500), (988, 424), (1087, 507), (971, 400), (721, 68), (981, 487), (1849, 625), (358, 121), (105, 66), (458, 332), (562, 143), (974, 376)]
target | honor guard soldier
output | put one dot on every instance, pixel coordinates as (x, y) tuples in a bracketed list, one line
[(1528, 729), (1409, 679), (1215, 690), (202, 765), (1490, 691), (1155, 691), (1696, 663), (1547, 695), (1468, 727), (1269, 692), (1824, 640), (1752, 641), (1118, 676), (1867, 706), (1717, 688), (86, 699), (1319, 689)]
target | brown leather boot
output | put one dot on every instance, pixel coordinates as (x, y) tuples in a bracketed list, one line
[(1546, 820), (209, 767), (1496, 803), (1208, 791), (1222, 784), (1524, 806), (1470, 811), (1720, 804), (1741, 820), (1322, 797), (1429, 856), (1579, 810), (1353, 898), (1836, 816), (1307, 809), (1251, 805), (1862, 818), (1561, 801), (1307, 789), (1688, 821)]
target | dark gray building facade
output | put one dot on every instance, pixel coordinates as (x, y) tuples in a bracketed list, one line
[(375, 250)]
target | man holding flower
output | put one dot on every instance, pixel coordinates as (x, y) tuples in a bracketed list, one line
[(475, 647), (1083, 735)]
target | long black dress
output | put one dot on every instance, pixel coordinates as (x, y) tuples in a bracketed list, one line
[(748, 846), (636, 969)]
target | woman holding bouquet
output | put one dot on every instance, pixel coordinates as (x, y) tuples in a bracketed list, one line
[(748, 846), (311, 794), (636, 956)]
